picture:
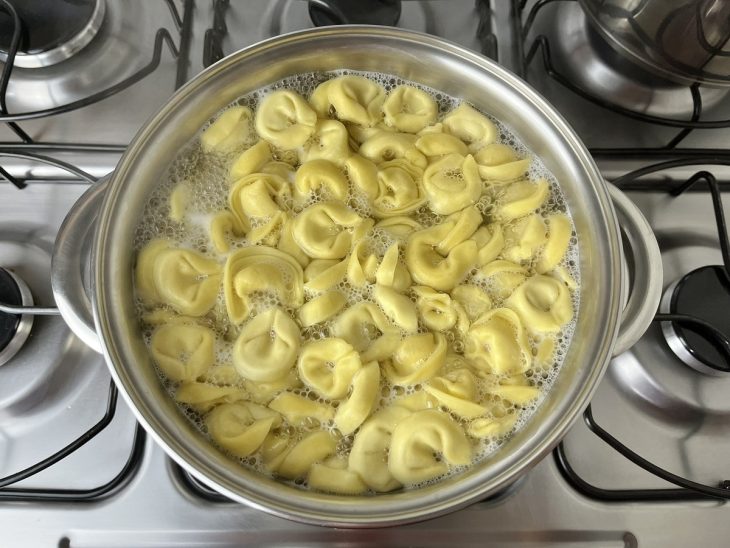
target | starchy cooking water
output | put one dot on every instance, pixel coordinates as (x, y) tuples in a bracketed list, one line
[(205, 177)]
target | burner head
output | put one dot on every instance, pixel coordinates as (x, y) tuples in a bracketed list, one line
[(52, 31), (14, 329), (361, 12), (705, 294), (584, 56)]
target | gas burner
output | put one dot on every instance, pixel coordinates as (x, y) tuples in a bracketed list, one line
[(52, 31), (591, 63), (345, 12), (14, 329), (292, 15), (705, 294)]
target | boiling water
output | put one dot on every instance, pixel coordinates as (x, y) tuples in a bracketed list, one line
[(206, 178)]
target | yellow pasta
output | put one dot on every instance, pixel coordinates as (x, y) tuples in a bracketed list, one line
[(378, 285), (452, 183), (409, 109), (285, 119), (416, 441), (230, 130), (469, 125), (267, 347)]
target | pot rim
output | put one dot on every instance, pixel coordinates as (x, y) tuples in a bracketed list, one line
[(334, 510)]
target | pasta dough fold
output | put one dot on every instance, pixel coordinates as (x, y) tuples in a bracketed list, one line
[(234, 428), (363, 397), (369, 453), (267, 347), (285, 119), (437, 269), (183, 352), (452, 183), (229, 131), (260, 269), (417, 358), (497, 343), (409, 109), (399, 189), (418, 439), (366, 328), (472, 127), (327, 230), (327, 366), (353, 98), (543, 303), (186, 280)]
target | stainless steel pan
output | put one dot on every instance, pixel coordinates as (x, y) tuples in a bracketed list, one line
[(117, 203)]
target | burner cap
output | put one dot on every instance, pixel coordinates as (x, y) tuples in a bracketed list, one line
[(362, 12), (705, 294), (52, 31), (14, 329)]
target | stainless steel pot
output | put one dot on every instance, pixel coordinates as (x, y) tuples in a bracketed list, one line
[(685, 41), (118, 202)]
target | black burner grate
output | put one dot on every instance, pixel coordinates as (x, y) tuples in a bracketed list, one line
[(26, 146)]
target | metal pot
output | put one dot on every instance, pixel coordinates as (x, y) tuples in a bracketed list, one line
[(118, 202), (684, 41)]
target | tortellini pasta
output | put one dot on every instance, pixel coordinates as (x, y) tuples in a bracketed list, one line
[(203, 396), (499, 163), (558, 240), (469, 125), (301, 411), (183, 352), (385, 146), (322, 176), (399, 189), (374, 297), (457, 390), (258, 195), (230, 130), (333, 476), (233, 427), (353, 98), (321, 308), (497, 343), (365, 390), (397, 307), (370, 450), (366, 328), (181, 278), (327, 366), (441, 144), (327, 230), (521, 198), (314, 448), (260, 269), (328, 142), (543, 303), (524, 238), (417, 441), (417, 358), (409, 109), (452, 183), (438, 311), (285, 119), (440, 269), (252, 160), (267, 347)]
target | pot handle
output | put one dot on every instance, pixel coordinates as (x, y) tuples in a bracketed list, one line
[(643, 290), (71, 268)]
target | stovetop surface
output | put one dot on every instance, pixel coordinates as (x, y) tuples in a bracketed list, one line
[(56, 388)]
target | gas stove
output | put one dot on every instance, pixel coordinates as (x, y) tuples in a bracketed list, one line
[(76, 468)]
